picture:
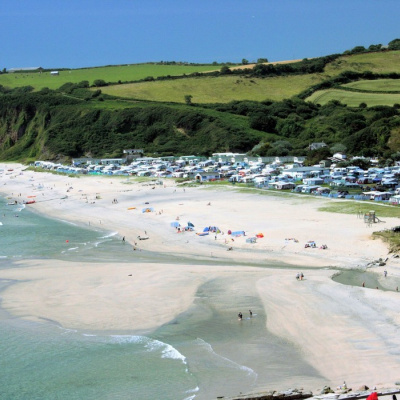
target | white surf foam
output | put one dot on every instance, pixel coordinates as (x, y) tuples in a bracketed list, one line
[(108, 235), (196, 389), (66, 331), (209, 348), (167, 351)]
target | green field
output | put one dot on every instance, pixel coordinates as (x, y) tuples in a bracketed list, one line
[(121, 73), (227, 88), (216, 89), (353, 99), (380, 62), (379, 85), (223, 88)]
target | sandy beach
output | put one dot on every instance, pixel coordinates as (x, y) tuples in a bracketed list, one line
[(345, 332)]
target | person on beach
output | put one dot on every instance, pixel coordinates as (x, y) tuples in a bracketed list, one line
[(363, 284), (123, 239), (385, 273), (297, 276), (240, 315), (301, 276), (251, 313)]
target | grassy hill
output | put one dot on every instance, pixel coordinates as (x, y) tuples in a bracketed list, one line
[(222, 89), (354, 99), (259, 111), (123, 73), (236, 88), (380, 85), (379, 62)]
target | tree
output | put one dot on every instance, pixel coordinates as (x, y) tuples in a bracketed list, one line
[(244, 61), (99, 83), (225, 70), (394, 44), (262, 122), (262, 60), (188, 99), (375, 47), (358, 49), (338, 148)]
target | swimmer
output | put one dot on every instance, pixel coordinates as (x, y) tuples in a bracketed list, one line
[(251, 313), (240, 316)]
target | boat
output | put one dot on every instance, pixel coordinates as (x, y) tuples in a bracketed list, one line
[(29, 202)]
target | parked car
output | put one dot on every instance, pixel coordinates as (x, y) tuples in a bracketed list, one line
[(342, 194)]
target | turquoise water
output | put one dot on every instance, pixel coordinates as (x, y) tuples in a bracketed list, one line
[(204, 353), (23, 234)]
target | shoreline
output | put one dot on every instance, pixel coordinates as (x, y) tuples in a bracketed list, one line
[(309, 314)]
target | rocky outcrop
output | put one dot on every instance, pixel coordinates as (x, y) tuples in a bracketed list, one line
[(292, 394)]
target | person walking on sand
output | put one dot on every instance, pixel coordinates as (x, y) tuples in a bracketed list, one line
[(385, 273)]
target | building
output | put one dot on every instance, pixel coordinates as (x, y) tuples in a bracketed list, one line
[(133, 154)]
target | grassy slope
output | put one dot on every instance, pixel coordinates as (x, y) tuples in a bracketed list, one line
[(216, 90), (353, 99), (109, 74), (380, 85), (212, 90), (225, 89), (380, 62)]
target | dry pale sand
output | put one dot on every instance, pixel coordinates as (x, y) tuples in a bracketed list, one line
[(346, 333)]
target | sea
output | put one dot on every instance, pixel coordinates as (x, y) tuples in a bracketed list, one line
[(204, 353)]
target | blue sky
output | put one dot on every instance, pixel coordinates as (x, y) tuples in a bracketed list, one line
[(84, 33)]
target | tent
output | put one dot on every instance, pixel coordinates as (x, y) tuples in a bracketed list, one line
[(175, 224), (213, 229), (147, 209), (238, 233), (259, 235), (190, 224)]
